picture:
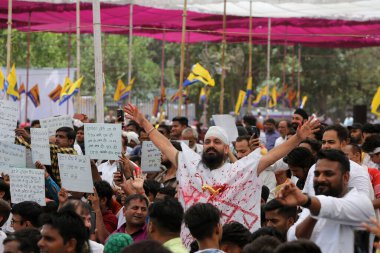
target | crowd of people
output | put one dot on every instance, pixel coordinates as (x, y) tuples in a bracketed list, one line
[(284, 186)]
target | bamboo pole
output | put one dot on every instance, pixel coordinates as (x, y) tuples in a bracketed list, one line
[(249, 107), (79, 110), (68, 62), (98, 62), (221, 98), (182, 67), (27, 67), (161, 118), (268, 65), (130, 44), (299, 77), (9, 37)]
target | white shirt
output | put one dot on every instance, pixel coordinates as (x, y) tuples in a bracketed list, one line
[(268, 179), (279, 141), (198, 148), (78, 149), (107, 169), (239, 188), (337, 219), (359, 179), (2, 237), (96, 247), (368, 162)]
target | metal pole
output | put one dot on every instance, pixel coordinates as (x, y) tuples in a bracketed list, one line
[(182, 67), (27, 68), (68, 62), (299, 77), (268, 65), (130, 55), (9, 37), (249, 107), (161, 118), (78, 53), (98, 61), (221, 98)]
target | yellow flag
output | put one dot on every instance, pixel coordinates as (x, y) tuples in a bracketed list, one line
[(239, 101), (2, 80), (66, 88), (304, 100), (75, 86), (273, 97), (12, 84), (376, 102)]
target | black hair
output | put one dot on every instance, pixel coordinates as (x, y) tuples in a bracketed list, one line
[(285, 211), (182, 120), (146, 246), (201, 220), (270, 121), (341, 132), (165, 127), (167, 215), (300, 157), (80, 128), (177, 145), (371, 143), (5, 210), (264, 244), (74, 204), (243, 138), (4, 187), (268, 231), (335, 156), (27, 239), (29, 211), (235, 233), (70, 226), (151, 187), (104, 190), (134, 124), (314, 144), (70, 133), (242, 130), (138, 197), (35, 122), (168, 191), (265, 192), (299, 246), (369, 128), (250, 120), (135, 159)]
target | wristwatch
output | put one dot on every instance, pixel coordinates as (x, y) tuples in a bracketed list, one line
[(308, 202)]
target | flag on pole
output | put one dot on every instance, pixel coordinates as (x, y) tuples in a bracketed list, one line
[(304, 99), (34, 95), (202, 95), (65, 91), (12, 84), (376, 103), (199, 74), (239, 102), (155, 106), (261, 96), (273, 97), (175, 96), (292, 94), (75, 87), (249, 90), (163, 95), (122, 91), (55, 94), (2, 81), (21, 89)]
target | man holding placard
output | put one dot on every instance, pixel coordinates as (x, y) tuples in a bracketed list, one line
[(233, 188)]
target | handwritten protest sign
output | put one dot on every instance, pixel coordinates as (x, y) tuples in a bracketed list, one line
[(27, 185), (53, 123), (75, 172), (150, 157), (227, 122), (8, 114), (11, 156), (102, 141), (40, 145), (7, 135)]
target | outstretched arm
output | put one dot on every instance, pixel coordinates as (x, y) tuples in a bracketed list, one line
[(310, 127), (161, 142)]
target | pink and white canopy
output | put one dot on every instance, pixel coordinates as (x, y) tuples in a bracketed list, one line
[(323, 23)]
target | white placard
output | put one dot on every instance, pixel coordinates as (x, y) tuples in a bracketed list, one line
[(150, 157), (40, 145), (102, 141), (75, 172), (54, 123), (27, 185), (7, 135), (227, 122), (11, 156), (8, 114)]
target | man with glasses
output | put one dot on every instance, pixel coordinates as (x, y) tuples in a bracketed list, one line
[(25, 215)]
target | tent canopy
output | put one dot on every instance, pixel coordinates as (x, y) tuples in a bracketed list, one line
[(334, 23)]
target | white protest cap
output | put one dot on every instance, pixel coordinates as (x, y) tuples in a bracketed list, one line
[(132, 136), (219, 133)]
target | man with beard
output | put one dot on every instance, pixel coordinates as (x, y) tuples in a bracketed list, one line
[(356, 134), (168, 176), (330, 217), (232, 187), (299, 117)]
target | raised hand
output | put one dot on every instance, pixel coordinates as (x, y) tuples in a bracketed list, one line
[(138, 181), (291, 195), (40, 166), (309, 127), (94, 199), (63, 196), (132, 113)]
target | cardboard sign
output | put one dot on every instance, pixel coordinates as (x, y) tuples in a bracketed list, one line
[(11, 156), (9, 113), (40, 145), (227, 122), (27, 185), (150, 157), (75, 172), (7, 135), (102, 141), (53, 123)]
